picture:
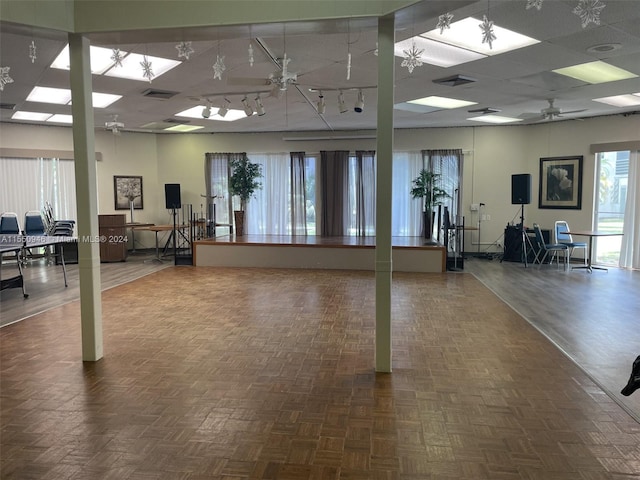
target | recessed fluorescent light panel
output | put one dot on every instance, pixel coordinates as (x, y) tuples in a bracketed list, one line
[(102, 64), (33, 116), (437, 53), (494, 119), (620, 100), (466, 34), (595, 72), (59, 118), (196, 112), (441, 102), (62, 96), (183, 128)]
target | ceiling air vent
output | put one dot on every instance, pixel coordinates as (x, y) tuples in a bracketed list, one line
[(161, 94), (175, 121), (7, 106), (454, 80)]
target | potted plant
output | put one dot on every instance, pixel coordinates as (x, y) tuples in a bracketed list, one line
[(243, 183), (425, 187)]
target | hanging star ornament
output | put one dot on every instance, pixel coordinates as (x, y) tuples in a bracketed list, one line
[(412, 58), (147, 71), (218, 67), (184, 50), (32, 51), (4, 77), (116, 57), (534, 3), (444, 22), (250, 52), (487, 31), (589, 11)]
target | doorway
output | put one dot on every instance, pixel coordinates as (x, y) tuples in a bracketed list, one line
[(611, 193)]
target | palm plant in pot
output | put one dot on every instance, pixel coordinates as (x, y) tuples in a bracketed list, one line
[(243, 183), (425, 187)]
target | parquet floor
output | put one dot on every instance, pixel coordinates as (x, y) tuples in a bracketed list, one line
[(267, 374)]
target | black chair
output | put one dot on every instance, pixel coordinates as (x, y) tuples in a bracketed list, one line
[(547, 248)]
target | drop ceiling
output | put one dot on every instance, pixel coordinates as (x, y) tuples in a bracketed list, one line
[(518, 84)]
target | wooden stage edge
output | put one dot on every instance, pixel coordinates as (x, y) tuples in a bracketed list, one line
[(409, 254)]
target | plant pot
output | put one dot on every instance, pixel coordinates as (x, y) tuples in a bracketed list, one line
[(427, 219), (238, 216)]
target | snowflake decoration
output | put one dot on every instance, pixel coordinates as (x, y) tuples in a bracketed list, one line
[(184, 50), (412, 58), (534, 3), (218, 67), (4, 77), (117, 57), (487, 31), (349, 66), (32, 51), (589, 11), (147, 72), (250, 52), (444, 22)]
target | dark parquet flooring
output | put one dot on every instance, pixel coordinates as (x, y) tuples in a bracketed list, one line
[(216, 373)]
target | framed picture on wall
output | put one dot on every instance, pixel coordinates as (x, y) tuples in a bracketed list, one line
[(560, 182), (126, 189)]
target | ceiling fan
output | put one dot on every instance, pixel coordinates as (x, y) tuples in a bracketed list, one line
[(279, 80), (549, 113), (114, 125)]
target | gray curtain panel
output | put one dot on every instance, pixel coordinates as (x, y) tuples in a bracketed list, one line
[(334, 170), (298, 194)]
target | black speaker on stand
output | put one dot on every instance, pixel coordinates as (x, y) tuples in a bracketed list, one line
[(521, 195), (172, 202)]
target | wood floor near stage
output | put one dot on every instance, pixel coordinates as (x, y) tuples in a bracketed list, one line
[(409, 254)]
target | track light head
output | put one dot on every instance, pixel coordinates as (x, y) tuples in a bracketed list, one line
[(222, 111), (359, 107), (342, 107), (259, 106), (321, 105), (206, 111), (247, 108)]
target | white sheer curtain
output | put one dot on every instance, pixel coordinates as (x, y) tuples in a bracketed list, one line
[(630, 249), (269, 211), (406, 220), (28, 183)]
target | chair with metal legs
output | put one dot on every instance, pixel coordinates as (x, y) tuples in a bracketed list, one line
[(561, 236), (548, 248)]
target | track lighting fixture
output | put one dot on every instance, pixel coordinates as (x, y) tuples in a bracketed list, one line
[(359, 107), (259, 106), (222, 111), (321, 105), (247, 108), (206, 111), (342, 107)]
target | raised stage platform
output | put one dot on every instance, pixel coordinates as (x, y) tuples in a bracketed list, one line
[(409, 254)]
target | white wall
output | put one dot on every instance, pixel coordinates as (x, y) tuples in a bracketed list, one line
[(492, 155)]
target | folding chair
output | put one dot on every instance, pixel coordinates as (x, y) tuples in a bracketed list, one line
[(547, 248), (561, 229)]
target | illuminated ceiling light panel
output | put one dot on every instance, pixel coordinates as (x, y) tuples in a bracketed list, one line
[(442, 102), (437, 53), (494, 119), (132, 70), (62, 96), (620, 100), (34, 116), (196, 112), (100, 59), (595, 72), (59, 118), (59, 96), (466, 33), (183, 128)]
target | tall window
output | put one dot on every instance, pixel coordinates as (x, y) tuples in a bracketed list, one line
[(613, 178), (27, 184)]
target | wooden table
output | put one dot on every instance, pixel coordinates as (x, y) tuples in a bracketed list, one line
[(591, 234), (133, 226), (157, 229)]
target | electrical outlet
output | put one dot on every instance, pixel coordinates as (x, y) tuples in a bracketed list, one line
[(488, 217), (475, 207)]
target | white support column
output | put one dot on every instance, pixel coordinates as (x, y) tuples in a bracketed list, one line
[(384, 153), (86, 198)]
